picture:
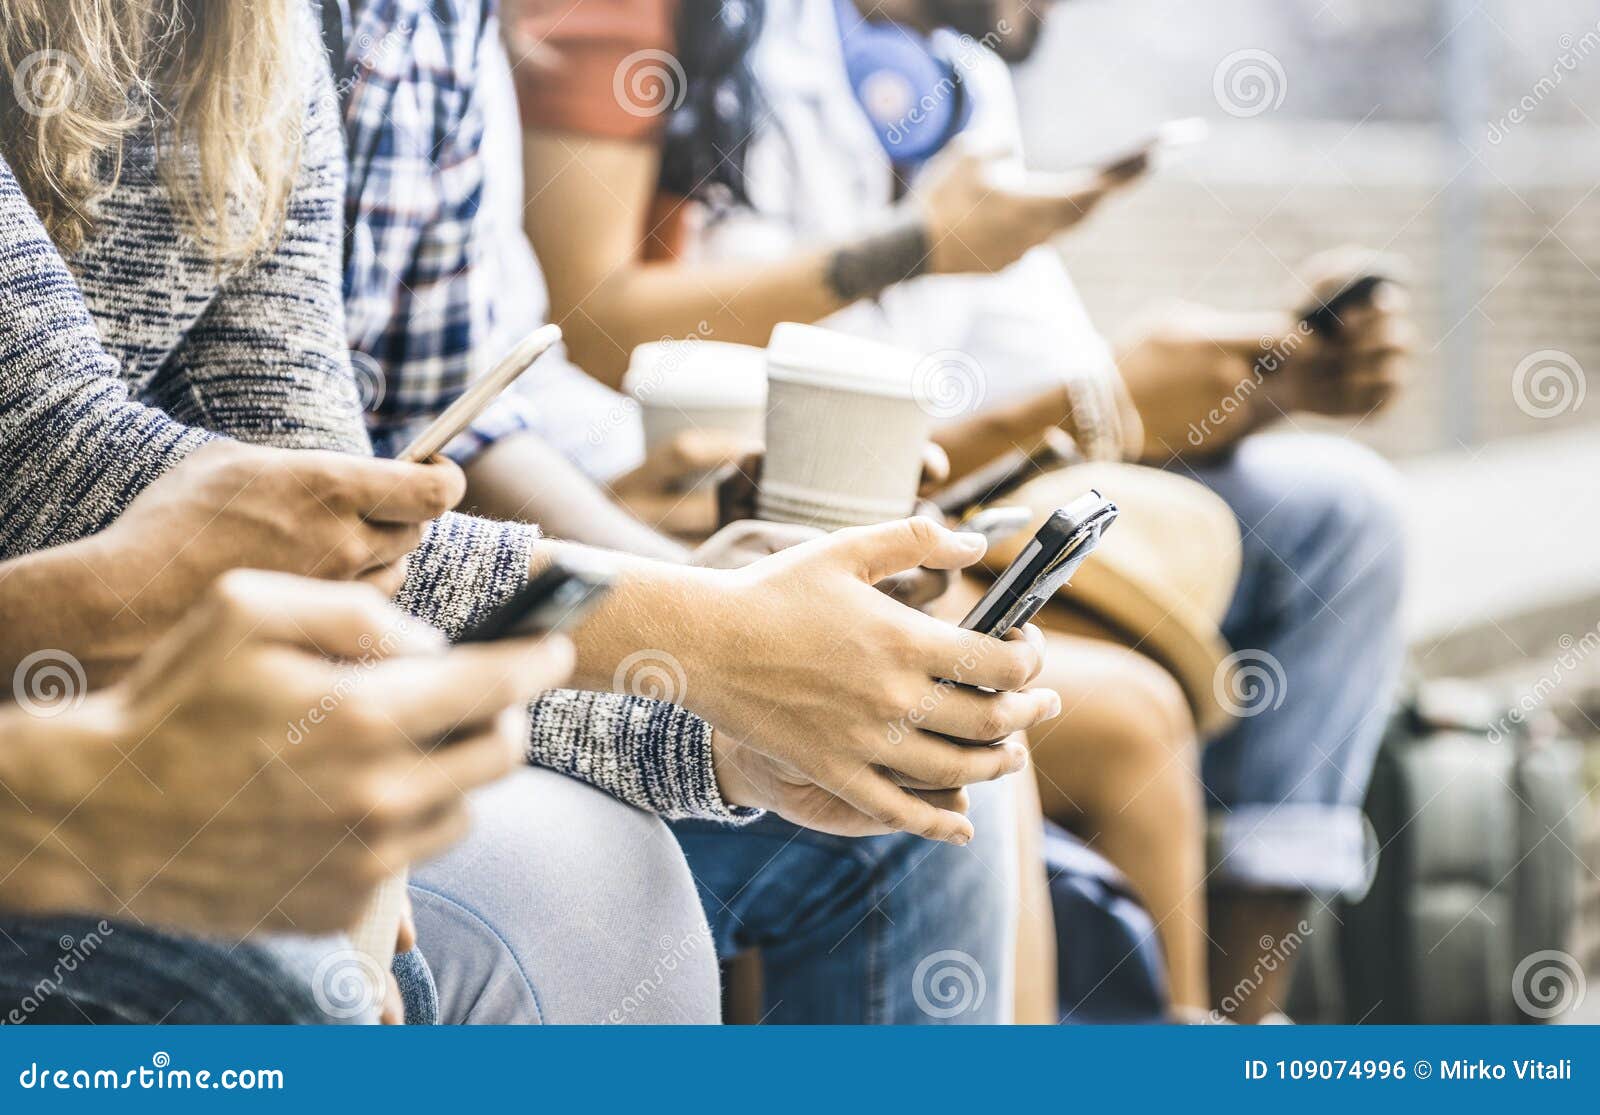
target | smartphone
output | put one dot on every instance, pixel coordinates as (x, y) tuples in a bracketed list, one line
[(556, 600), (996, 524), (1004, 475), (459, 414), (1169, 136), (1322, 316), (1046, 563)]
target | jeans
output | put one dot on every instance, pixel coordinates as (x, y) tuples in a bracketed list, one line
[(88, 970), (1315, 630), (884, 929)]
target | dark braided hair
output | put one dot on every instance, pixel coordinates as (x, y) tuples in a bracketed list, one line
[(708, 134)]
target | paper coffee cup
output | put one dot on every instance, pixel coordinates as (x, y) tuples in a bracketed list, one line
[(696, 384), (844, 430), (374, 935)]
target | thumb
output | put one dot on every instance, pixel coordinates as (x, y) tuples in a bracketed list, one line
[(875, 552)]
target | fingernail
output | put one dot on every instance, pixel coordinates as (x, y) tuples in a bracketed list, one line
[(972, 540), (1053, 705)]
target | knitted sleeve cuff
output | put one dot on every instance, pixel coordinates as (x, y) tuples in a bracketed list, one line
[(464, 569), (647, 753)]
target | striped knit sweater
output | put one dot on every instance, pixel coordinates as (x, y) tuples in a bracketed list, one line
[(109, 380)]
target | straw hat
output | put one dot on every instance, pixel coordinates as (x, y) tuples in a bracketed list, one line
[(1162, 577)]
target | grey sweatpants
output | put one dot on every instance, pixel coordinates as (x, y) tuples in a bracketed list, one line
[(564, 906)]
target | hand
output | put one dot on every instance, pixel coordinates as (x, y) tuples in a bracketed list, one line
[(229, 505), (739, 544), (1362, 365), (665, 490), (238, 781), (979, 222), (745, 538), (798, 659)]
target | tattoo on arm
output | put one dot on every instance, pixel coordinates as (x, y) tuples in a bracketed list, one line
[(862, 269)]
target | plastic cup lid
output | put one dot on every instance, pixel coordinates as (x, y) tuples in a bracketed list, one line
[(697, 373), (810, 354)]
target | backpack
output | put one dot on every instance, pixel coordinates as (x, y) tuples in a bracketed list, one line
[(1469, 918)]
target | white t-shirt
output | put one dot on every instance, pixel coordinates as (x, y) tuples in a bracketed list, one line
[(819, 175)]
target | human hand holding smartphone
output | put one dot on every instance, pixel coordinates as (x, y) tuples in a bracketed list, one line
[(460, 414)]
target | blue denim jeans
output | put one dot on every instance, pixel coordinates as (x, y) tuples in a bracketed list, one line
[(884, 929), (1315, 630), (88, 970)]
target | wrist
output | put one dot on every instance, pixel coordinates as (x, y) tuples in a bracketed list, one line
[(730, 767), (872, 265)]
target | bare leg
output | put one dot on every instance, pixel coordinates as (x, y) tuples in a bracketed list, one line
[(1250, 959), (1037, 1002), (1119, 766)]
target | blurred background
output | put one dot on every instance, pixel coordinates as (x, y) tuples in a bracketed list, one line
[(1463, 135)]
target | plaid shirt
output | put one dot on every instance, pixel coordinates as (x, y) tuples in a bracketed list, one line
[(418, 285)]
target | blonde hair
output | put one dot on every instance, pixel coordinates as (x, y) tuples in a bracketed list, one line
[(219, 81)]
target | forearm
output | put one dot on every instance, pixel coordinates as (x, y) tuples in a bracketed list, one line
[(734, 302), (522, 479), (994, 432), (80, 599)]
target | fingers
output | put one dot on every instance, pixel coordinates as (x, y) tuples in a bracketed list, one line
[(472, 684), (903, 811), (383, 491), (969, 658), (478, 759), (875, 552), (917, 588), (974, 716), (335, 619), (925, 761), (1031, 635)]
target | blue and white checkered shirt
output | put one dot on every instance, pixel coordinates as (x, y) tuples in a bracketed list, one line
[(418, 288)]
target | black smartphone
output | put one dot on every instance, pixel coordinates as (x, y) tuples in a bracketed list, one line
[(555, 600), (1322, 316), (1004, 475), (1046, 563)]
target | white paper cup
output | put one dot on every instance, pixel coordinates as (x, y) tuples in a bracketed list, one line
[(696, 384), (844, 431)]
